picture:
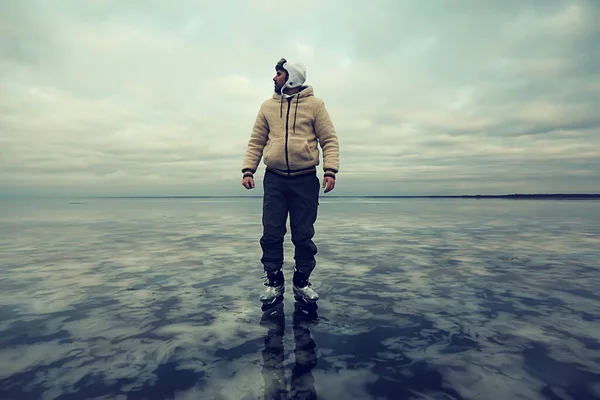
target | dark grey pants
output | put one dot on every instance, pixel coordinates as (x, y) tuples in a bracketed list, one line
[(298, 196)]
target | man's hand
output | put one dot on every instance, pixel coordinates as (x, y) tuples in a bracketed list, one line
[(248, 182), (329, 182)]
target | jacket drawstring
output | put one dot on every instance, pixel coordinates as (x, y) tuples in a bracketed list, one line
[(296, 112)]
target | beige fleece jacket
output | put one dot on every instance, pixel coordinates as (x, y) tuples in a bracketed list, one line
[(287, 132)]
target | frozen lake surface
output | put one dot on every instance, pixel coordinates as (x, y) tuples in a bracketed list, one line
[(420, 299)]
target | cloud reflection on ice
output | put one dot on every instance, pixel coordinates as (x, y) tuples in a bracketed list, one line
[(421, 299)]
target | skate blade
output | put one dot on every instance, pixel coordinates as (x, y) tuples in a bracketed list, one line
[(268, 305), (306, 301)]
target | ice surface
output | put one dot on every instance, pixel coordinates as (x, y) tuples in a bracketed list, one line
[(420, 298)]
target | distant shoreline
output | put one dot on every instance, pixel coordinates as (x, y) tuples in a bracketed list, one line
[(556, 196)]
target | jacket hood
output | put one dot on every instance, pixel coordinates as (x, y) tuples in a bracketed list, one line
[(305, 91)]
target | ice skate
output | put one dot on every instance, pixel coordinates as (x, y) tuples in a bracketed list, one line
[(302, 289), (275, 288)]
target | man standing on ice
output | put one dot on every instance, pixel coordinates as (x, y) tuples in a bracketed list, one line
[(288, 129)]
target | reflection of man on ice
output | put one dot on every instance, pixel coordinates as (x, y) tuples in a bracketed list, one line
[(303, 383), (286, 134)]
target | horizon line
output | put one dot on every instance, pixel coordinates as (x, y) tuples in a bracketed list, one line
[(511, 195)]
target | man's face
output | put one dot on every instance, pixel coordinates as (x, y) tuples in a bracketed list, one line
[(279, 79)]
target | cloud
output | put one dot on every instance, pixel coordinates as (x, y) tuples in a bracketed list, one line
[(146, 98)]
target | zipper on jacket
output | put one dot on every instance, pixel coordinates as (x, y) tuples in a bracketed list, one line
[(287, 120)]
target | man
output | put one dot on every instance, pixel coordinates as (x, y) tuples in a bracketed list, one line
[(288, 128)]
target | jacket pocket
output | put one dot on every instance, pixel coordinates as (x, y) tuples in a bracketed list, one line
[(275, 153), (299, 153), (266, 151)]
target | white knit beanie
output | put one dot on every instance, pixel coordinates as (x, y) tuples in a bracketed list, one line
[(296, 75)]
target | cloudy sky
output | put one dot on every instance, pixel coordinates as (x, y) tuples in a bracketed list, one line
[(149, 97)]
